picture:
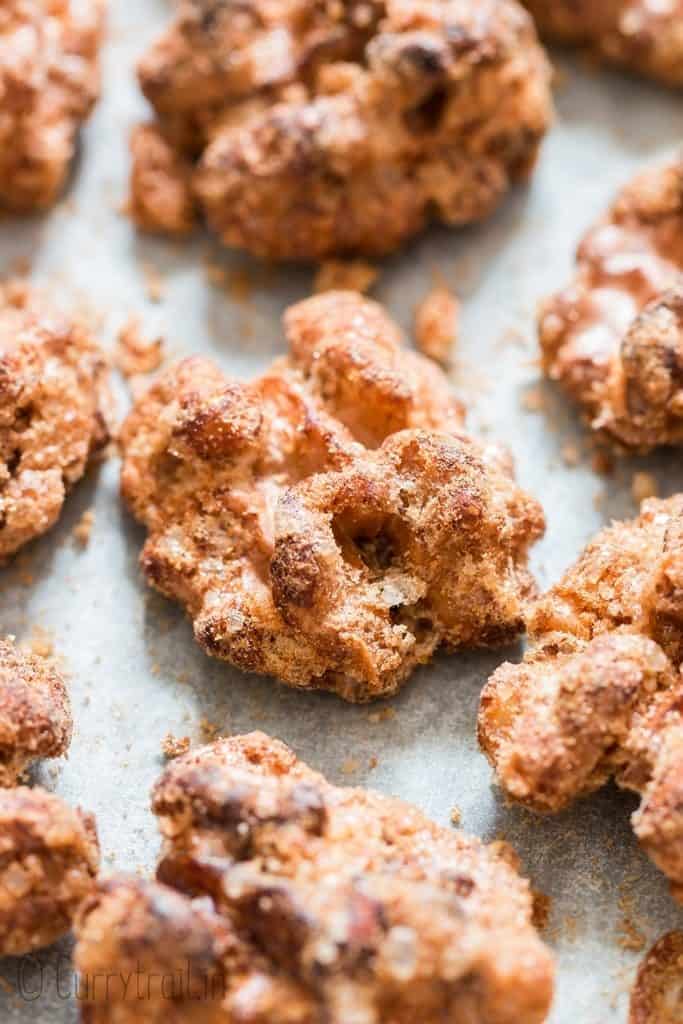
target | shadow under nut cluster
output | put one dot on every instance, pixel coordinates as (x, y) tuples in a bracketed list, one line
[(49, 852), (613, 338), (287, 900), (49, 81), (639, 35), (600, 694), (329, 523), (304, 130)]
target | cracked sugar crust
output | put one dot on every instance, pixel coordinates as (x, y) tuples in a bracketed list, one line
[(657, 995), (49, 81), (35, 712), (54, 406), (613, 338), (313, 903), (311, 521), (641, 35), (308, 130), (49, 856), (600, 695)]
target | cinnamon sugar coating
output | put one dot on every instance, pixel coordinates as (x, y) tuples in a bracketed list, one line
[(307, 130), (314, 903), (329, 523), (657, 995), (54, 403), (599, 694), (614, 338), (48, 859), (640, 35), (49, 81), (35, 712)]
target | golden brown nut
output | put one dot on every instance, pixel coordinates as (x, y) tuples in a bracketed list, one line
[(614, 338), (53, 404), (322, 128), (639, 35), (600, 694), (49, 80), (49, 856), (657, 996), (312, 521), (339, 905), (35, 712)]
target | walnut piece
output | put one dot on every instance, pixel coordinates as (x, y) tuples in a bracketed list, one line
[(639, 35), (49, 81), (657, 996), (54, 404), (329, 524), (305, 130), (600, 693), (614, 337), (35, 712), (49, 856), (290, 901)]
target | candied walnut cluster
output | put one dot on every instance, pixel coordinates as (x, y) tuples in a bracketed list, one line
[(49, 81), (657, 996), (307, 129), (329, 523), (54, 404), (35, 712), (614, 337), (48, 860), (642, 35), (284, 899), (600, 693)]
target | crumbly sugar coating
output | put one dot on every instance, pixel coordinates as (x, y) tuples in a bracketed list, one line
[(311, 521), (49, 81), (336, 905), (657, 995), (613, 338), (49, 856), (308, 130), (640, 35), (35, 712), (600, 694), (54, 405)]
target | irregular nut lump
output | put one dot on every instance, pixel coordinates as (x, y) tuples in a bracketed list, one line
[(305, 130), (329, 523), (287, 900), (641, 35), (600, 693), (48, 859), (54, 402), (35, 712), (49, 81), (614, 337), (657, 996)]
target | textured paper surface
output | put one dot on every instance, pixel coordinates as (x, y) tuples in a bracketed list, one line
[(136, 673)]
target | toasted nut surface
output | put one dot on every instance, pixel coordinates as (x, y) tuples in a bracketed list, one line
[(614, 337), (35, 712), (54, 403), (307, 130), (600, 695), (49, 81), (337, 904), (639, 35), (329, 523), (657, 996), (49, 856)]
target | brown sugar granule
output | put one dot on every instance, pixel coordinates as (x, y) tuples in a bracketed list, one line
[(135, 353), (82, 531), (436, 324), (174, 746), (345, 275)]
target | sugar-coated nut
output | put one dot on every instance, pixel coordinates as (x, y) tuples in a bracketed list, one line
[(329, 523), (295, 901), (308, 130), (656, 994)]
